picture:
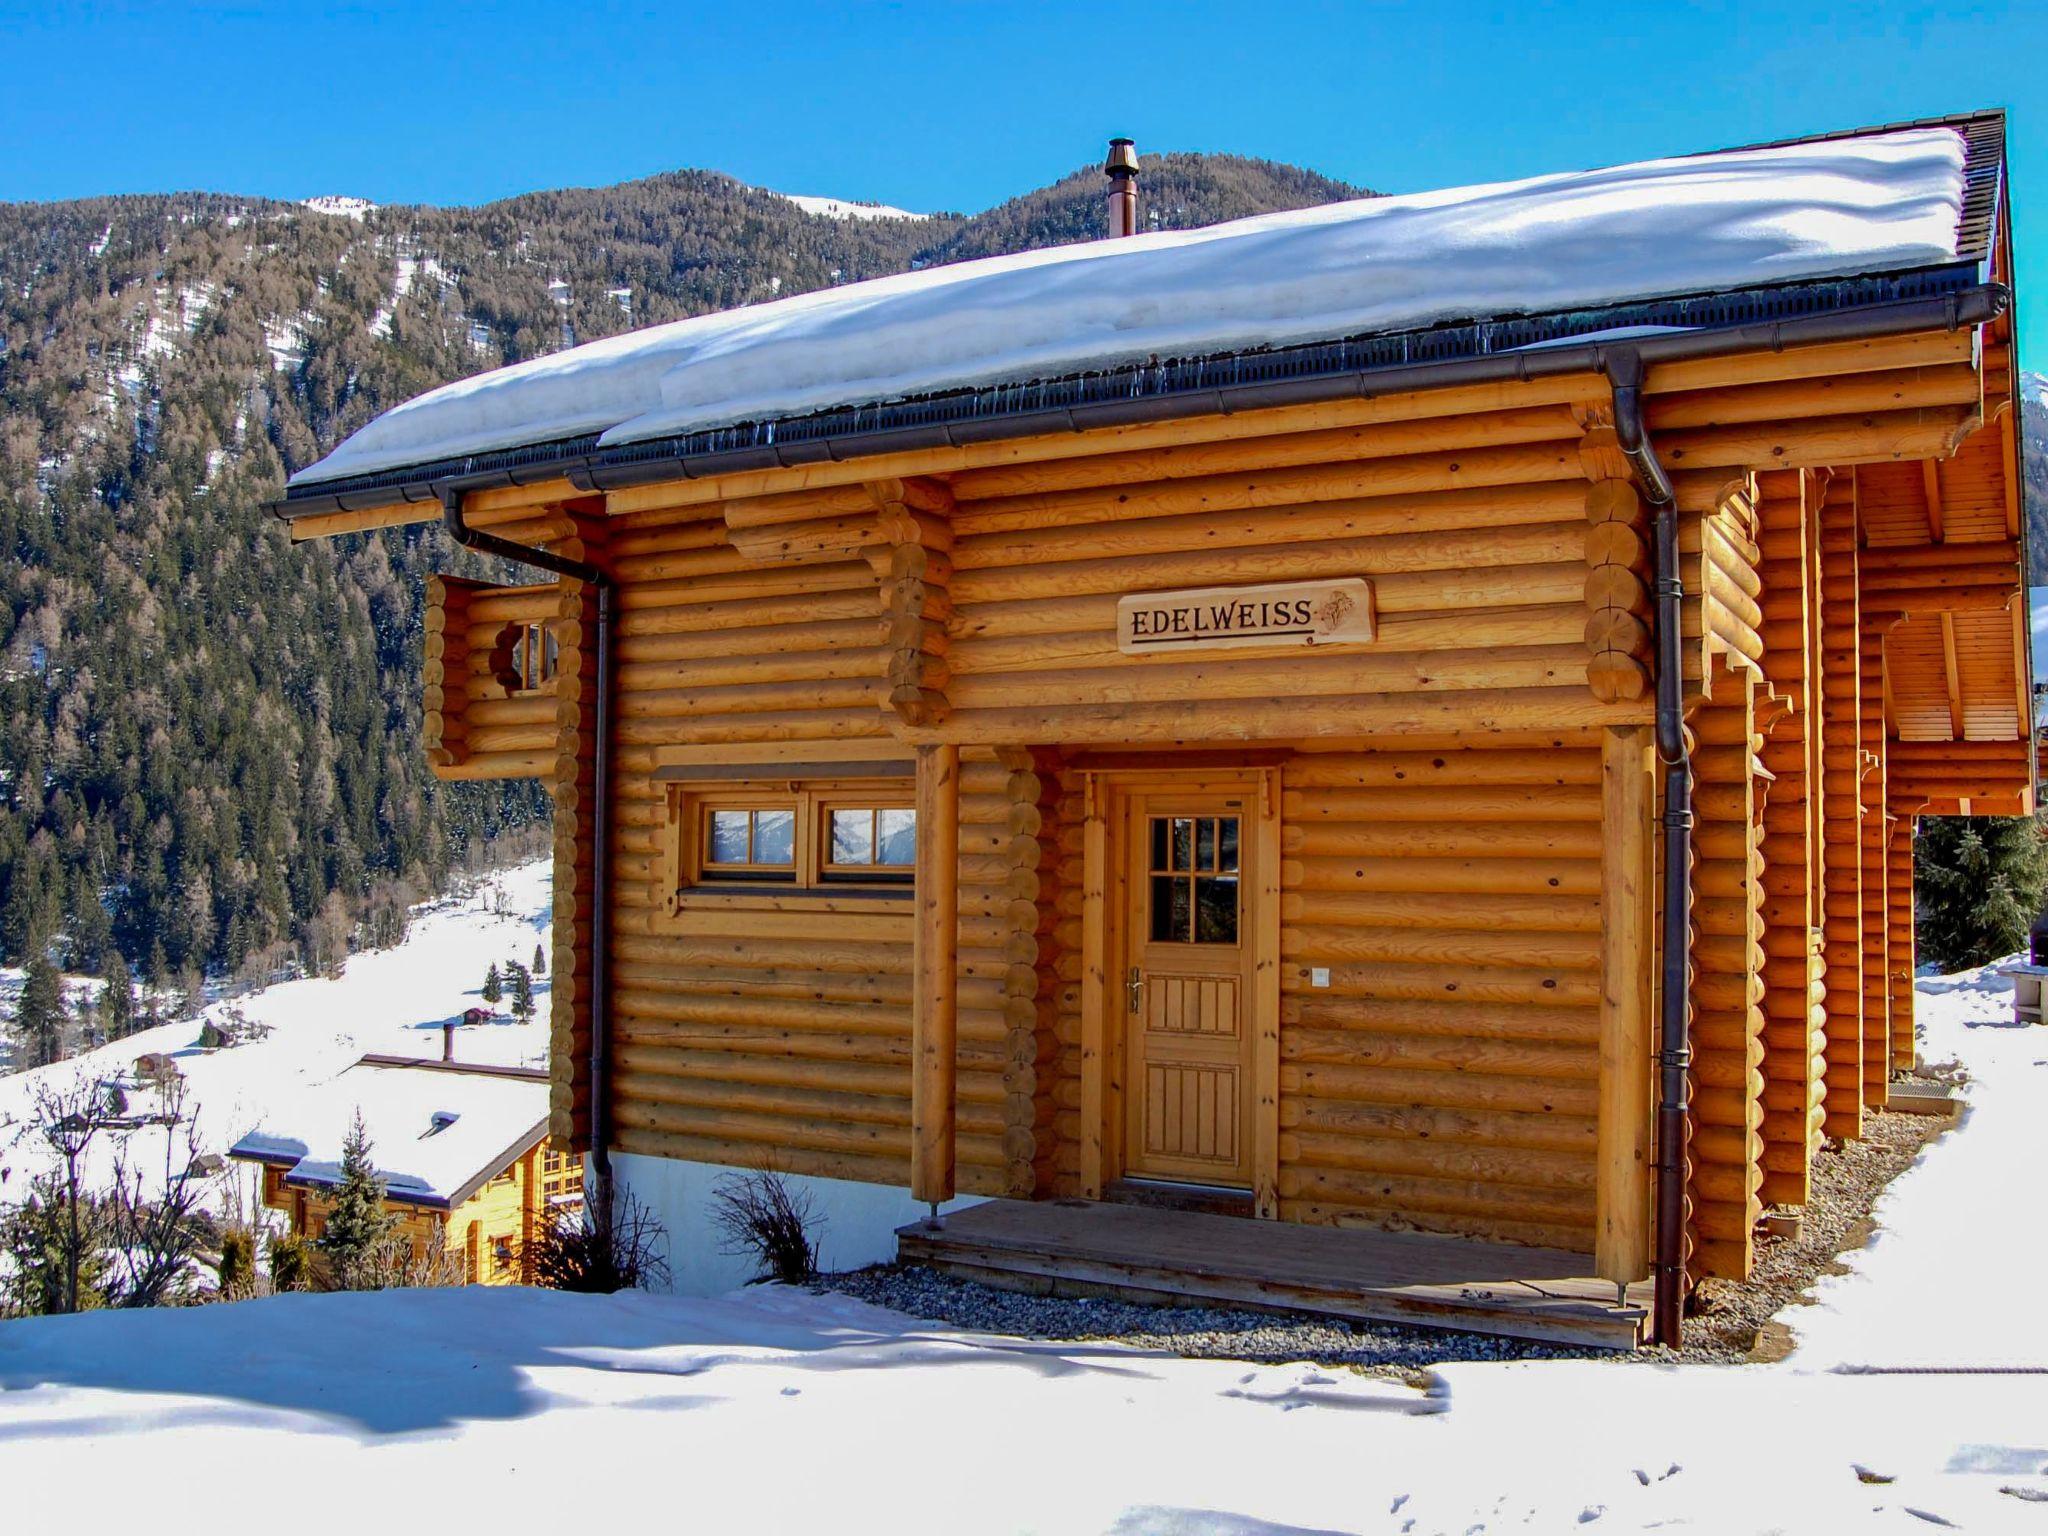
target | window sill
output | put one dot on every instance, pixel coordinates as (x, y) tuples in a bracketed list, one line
[(784, 898)]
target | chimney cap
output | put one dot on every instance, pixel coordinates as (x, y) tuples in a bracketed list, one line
[(1123, 158)]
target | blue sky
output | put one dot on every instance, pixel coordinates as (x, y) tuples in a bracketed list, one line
[(959, 106)]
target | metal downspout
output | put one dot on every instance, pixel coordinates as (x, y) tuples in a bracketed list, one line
[(600, 916), (1624, 369)]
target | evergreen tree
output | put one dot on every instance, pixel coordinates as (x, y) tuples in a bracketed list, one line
[(1979, 882), (522, 991), (494, 989), (39, 1019), (358, 1225), (540, 961), (117, 999)]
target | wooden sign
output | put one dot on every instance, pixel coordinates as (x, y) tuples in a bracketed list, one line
[(1214, 618)]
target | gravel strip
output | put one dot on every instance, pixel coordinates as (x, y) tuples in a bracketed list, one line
[(1737, 1321), (1734, 1322)]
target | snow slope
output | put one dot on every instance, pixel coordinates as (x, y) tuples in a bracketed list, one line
[(778, 1411), (839, 208), (1662, 227), (390, 1001)]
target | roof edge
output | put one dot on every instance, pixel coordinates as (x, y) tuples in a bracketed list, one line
[(1530, 347)]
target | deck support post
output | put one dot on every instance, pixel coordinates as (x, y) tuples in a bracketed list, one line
[(1627, 1029), (934, 1018)]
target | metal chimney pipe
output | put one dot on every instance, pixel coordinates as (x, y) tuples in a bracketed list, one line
[(1122, 170), (448, 1041)]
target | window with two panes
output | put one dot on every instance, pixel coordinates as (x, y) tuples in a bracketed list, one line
[(814, 837)]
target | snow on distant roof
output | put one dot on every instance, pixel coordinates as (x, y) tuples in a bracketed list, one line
[(1658, 229), (839, 208), (433, 1131)]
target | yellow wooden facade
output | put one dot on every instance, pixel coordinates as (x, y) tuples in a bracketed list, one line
[(488, 1235)]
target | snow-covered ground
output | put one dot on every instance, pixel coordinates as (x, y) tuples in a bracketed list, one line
[(392, 1001), (778, 1411)]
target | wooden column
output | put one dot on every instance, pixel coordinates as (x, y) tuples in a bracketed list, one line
[(1840, 716), (934, 1017), (1627, 1021), (1792, 1070)]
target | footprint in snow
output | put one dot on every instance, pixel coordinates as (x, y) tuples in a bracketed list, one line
[(1395, 1507), (1929, 1516), (1591, 1513), (792, 1391)]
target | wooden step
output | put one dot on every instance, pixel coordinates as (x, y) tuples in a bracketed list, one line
[(1152, 1254)]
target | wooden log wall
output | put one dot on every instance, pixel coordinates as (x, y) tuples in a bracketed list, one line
[(1447, 1078), (759, 1037), (473, 725), (1726, 1148), (1473, 530), (1795, 1015), (1842, 831)]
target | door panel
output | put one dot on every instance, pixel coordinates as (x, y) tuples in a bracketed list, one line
[(1187, 949)]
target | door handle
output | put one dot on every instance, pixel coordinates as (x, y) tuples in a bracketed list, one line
[(1135, 987)]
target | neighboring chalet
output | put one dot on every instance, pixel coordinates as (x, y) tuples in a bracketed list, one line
[(1363, 757), (463, 1151)]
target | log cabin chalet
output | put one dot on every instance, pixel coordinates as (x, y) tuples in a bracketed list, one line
[(1359, 757)]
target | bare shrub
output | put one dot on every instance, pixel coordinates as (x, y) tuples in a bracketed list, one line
[(759, 1214), (603, 1248)]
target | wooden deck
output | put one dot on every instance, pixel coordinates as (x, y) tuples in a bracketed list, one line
[(1080, 1246)]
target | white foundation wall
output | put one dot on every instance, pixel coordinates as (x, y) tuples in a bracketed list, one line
[(854, 1224)]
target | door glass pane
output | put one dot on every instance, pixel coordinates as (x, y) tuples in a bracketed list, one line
[(853, 837), (1205, 843), (1229, 841), (1158, 843), (898, 838), (728, 837), (1170, 914), (1216, 910), (775, 837), (1183, 843)]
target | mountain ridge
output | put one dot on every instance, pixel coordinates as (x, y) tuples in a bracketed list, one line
[(208, 755)]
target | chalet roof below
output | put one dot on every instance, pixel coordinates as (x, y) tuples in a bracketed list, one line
[(438, 1130), (1696, 241)]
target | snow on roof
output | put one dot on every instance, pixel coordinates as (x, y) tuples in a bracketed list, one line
[(434, 1131), (1658, 229)]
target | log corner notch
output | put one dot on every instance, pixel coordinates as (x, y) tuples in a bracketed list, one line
[(1618, 578), (913, 560), (903, 530)]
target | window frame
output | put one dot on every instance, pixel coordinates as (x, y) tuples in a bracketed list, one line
[(813, 882)]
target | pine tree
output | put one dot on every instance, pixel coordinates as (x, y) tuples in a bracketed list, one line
[(39, 1018), (117, 999), (1979, 881), (358, 1225), (540, 961), (494, 989), (522, 992)]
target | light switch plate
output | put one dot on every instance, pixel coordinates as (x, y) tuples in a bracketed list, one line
[(1319, 976)]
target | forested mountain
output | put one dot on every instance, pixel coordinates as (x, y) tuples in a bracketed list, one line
[(208, 737)]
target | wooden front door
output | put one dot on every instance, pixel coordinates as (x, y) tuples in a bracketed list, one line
[(1187, 989)]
